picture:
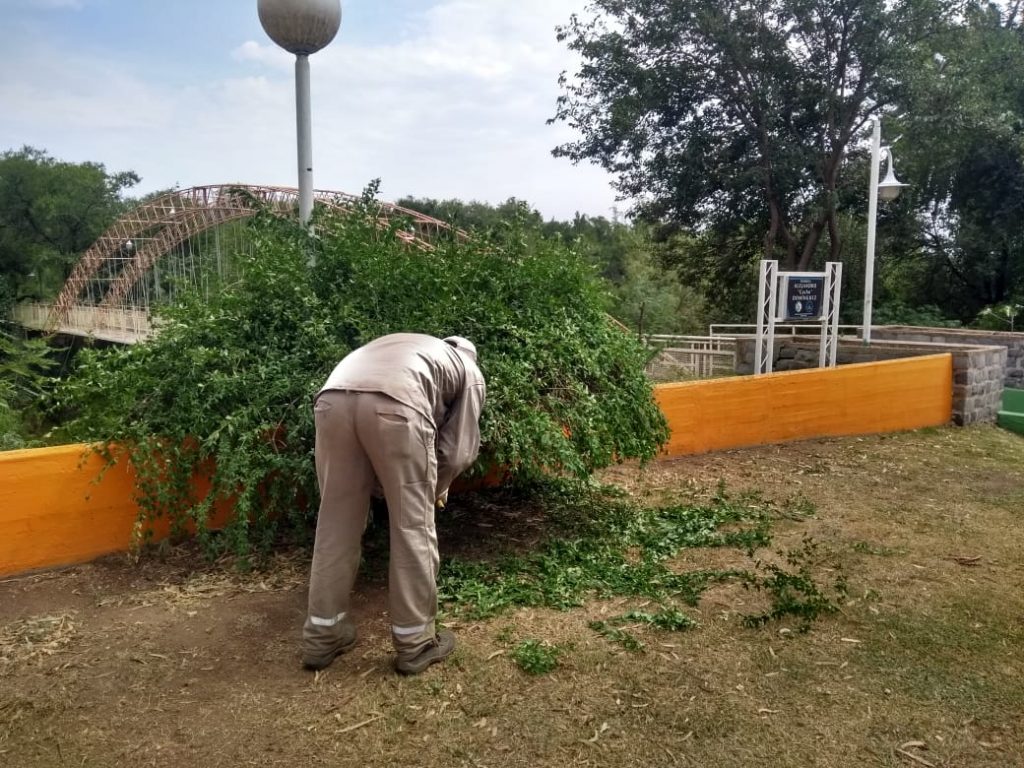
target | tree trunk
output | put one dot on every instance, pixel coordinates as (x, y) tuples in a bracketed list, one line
[(835, 242), (811, 244), (773, 230)]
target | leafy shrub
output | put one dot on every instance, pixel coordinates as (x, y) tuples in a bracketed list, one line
[(535, 657), (226, 385), (1001, 317), (23, 368), (598, 543), (926, 316)]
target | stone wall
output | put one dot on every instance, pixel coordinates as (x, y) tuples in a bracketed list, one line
[(1014, 343), (978, 371)]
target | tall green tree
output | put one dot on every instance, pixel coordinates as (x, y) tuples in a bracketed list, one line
[(650, 299), (474, 215), (51, 211), (645, 295), (736, 118), (24, 382), (604, 243), (963, 152)]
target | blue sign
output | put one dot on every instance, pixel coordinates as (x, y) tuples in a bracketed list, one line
[(803, 297)]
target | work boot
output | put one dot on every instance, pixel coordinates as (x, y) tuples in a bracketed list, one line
[(321, 657), (439, 649)]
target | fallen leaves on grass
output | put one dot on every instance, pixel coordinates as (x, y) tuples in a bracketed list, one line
[(597, 734)]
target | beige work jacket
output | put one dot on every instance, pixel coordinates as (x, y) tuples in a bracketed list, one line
[(425, 373)]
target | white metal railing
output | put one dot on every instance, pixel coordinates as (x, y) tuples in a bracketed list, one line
[(701, 357), (31, 315), (124, 326), (744, 331)]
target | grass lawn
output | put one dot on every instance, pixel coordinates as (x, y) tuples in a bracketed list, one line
[(175, 662)]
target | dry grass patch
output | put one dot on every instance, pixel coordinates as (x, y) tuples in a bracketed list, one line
[(175, 663), (30, 639)]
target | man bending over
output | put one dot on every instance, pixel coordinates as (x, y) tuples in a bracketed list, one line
[(402, 412)]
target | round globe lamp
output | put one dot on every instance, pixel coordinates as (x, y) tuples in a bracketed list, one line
[(302, 27)]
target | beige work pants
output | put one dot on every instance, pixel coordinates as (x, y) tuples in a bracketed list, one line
[(361, 436)]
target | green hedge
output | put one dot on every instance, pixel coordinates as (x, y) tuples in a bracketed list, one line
[(231, 379)]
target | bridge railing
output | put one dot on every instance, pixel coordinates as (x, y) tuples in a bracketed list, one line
[(31, 314), (124, 326)]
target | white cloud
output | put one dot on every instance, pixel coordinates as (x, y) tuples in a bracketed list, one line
[(268, 54), (454, 106), (82, 94)]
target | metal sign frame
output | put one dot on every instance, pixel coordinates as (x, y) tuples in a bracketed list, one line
[(764, 348), (770, 285), (830, 314)]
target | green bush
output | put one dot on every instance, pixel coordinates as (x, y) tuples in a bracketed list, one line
[(536, 657), (898, 313), (24, 365), (228, 382), (10, 424)]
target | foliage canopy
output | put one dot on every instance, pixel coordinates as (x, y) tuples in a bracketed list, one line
[(51, 211), (226, 385), (716, 115), (958, 240), (646, 296), (742, 127), (24, 365)]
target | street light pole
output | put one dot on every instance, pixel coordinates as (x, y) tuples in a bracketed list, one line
[(887, 189), (869, 263), (304, 133), (302, 27)]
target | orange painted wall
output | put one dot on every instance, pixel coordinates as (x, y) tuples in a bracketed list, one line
[(859, 399), (53, 513)]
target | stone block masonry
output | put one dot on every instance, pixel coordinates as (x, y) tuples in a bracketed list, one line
[(1013, 377)]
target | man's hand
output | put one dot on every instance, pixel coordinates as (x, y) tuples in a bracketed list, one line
[(442, 500)]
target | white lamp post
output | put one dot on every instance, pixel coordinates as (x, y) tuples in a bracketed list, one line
[(888, 189), (302, 27)]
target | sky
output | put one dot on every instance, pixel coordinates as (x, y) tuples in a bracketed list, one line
[(436, 98)]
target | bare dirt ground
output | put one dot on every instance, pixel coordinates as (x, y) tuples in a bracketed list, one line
[(174, 662)]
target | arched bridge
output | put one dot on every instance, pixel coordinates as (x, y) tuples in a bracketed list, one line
[(182, 238)]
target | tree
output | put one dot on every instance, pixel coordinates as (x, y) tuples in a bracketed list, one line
[(605, 244), (51, 211), (646, 296), (596, 237), (652, 300), (736, 117), (963, 152), (24, 382), (474, 216)]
